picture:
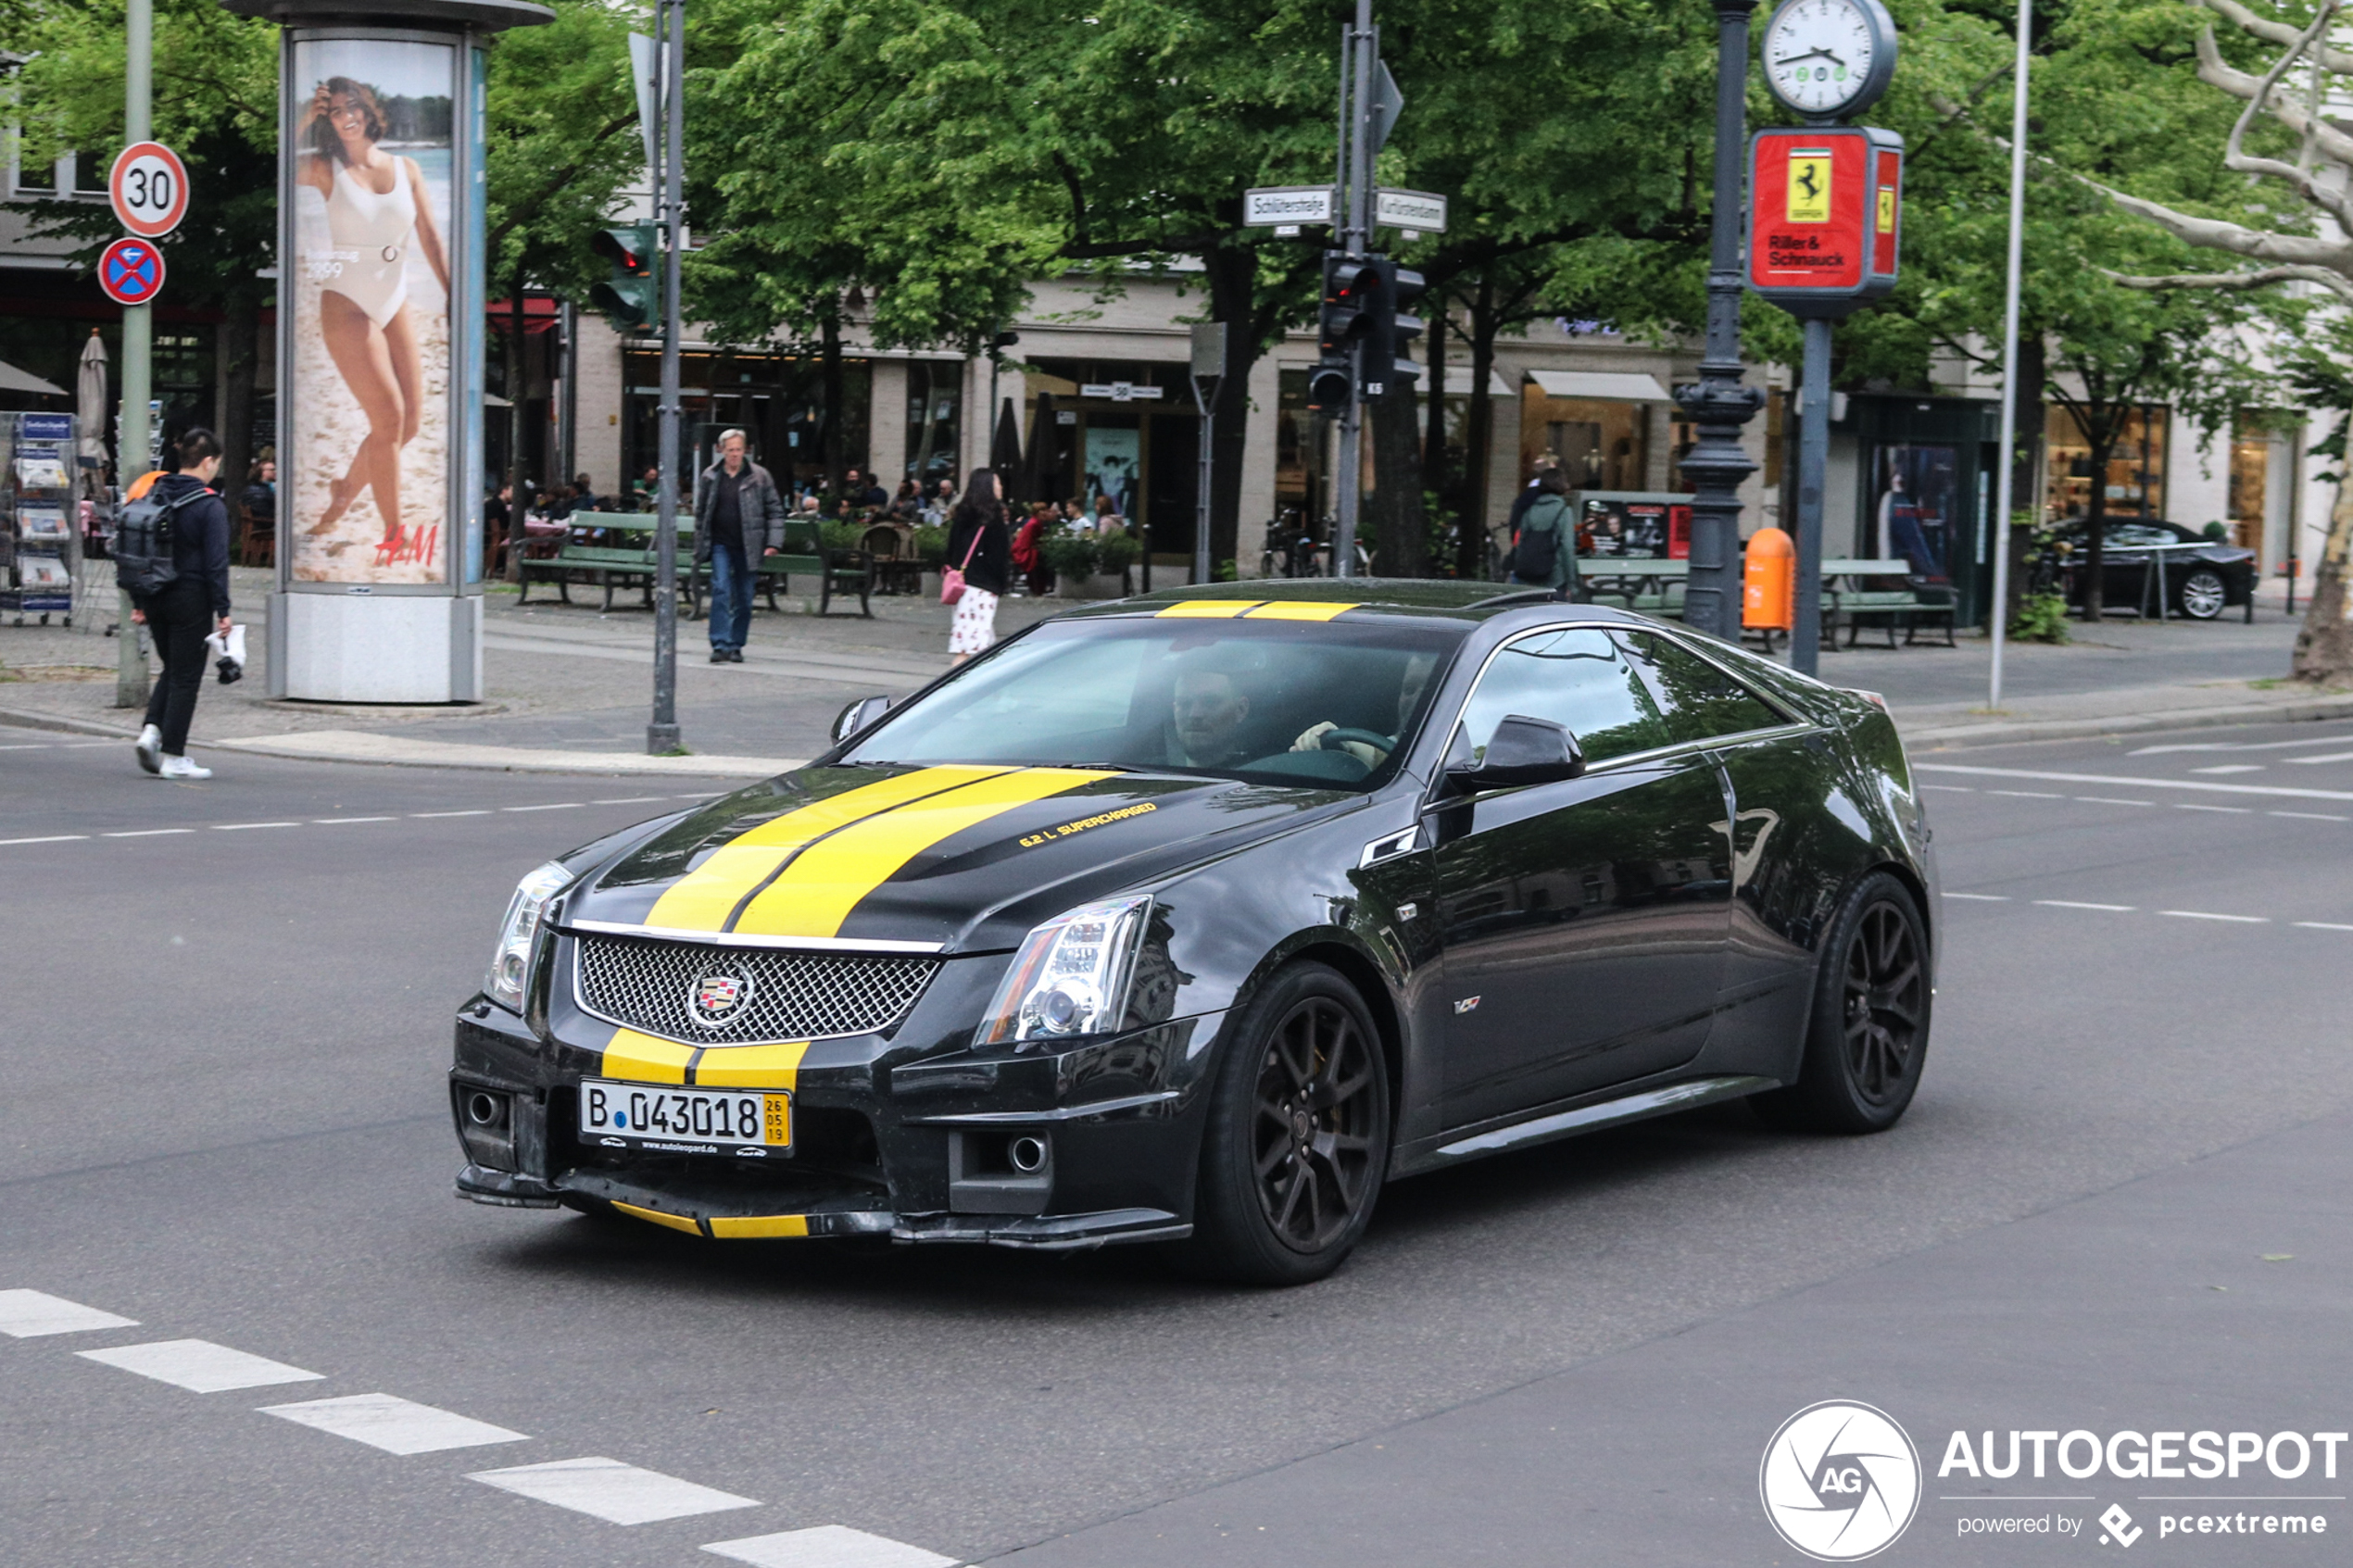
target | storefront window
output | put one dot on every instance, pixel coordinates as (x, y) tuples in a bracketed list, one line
[(1917, 516), (777, 399), (1600, 446), (2134, 482), (935, 420), (2257, 454)]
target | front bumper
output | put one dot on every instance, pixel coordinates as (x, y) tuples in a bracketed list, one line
[(908, 1137)]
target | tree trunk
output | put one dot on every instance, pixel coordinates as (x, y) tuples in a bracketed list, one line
[(518, 502), (2027, 430), (2095, 525), (241, 339), (1437, 465), (1396, 509), (2324, 645), (829, 370), (1479, 437), (1233, 269)]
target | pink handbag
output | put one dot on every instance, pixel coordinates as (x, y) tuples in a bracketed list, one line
[(951, 581)]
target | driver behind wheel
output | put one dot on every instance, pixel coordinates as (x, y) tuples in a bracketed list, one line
[(1416, 680)]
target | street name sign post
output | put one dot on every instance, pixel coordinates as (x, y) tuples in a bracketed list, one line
[(1416, 212), (1289, 207)]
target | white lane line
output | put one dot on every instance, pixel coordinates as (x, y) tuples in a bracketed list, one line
[(1952, 789), (2332, 757), (2231, 768), (1983, 898), (2323, 925), (394, 1425), (2111, 800), (425, 816), (2232, 810), (694, 797), (631, 800), (338, 822), (2310, 816), (240, 827), (145, 832), (828, 1546), (2238, 746), (2028, 794), (200, 1365), (37, 745), (2137, 782), (558, 806), (608, 1489), (2072, 904), (53, 838), (28, 1314), (2200, 914)]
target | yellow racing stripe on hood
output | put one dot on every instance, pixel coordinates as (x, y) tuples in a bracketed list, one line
[(704, 898), (641, 1058), (814, 895)]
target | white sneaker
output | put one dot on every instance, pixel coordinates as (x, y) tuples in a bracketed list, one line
[(181, 768), (150, 749)]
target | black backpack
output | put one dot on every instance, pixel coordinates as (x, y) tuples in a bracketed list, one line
[(1539, 547), (143, 563)]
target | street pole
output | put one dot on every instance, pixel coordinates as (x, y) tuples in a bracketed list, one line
[(1719, 404), (1355, 239), (2005, 480), (662, 734), (1813, 466), (138, 349)]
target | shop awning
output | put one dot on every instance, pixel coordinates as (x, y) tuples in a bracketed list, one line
[(13, 380), (1458, 381), (540, 314), (1617, 387)]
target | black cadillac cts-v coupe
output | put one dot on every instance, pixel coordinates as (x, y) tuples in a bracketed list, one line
[(1196, 918)]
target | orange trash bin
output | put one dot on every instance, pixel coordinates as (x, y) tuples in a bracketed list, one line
[(1769, 582)]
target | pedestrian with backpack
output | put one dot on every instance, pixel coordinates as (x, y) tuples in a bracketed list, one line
[(1544, 552), (171, 557)]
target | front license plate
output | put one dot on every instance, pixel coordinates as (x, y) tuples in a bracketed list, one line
[(677, 1120)]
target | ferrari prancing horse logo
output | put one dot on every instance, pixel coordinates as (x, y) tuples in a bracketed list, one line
[(718, 994)]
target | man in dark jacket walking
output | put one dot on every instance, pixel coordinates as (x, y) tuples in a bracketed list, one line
[(739, 518), (179, 614)]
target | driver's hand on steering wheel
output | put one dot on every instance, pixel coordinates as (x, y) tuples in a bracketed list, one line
[(1312, 739)]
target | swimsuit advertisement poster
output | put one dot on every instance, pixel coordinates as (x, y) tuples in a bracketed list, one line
[(367, 488), (1114, 459)]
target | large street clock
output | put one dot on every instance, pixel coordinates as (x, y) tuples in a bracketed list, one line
[(1829, 60)]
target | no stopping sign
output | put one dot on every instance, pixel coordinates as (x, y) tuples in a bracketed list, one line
[(149, 189)]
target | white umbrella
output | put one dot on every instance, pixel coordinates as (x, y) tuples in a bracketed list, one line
[(90, 405)]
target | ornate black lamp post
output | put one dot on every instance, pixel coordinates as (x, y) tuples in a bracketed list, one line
[(1718, 405)]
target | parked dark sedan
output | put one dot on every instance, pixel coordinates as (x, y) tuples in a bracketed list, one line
[(2202, 576), (1195, 918)]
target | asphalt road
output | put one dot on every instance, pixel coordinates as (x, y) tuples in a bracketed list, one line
[(2117, 1204)]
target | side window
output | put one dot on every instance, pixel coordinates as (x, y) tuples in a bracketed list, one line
[(1578, 679), (1701, 701)]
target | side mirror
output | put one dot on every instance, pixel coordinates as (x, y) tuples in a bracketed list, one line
[(859, 715), (1521, 751)]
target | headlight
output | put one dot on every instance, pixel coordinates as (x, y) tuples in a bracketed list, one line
[(1070, 976), (511, 965)]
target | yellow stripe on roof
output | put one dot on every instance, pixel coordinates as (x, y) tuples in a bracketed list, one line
[(1299, 610), (751, 1067), (704, 898), (641, 1058), (1207, 609), (814, 895)]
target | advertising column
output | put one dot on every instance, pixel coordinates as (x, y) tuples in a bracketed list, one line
[(379, 323)]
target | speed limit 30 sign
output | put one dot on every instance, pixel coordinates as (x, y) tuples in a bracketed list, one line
[(149, 189)]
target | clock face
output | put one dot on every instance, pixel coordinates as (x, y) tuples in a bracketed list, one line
[(1819, 55)]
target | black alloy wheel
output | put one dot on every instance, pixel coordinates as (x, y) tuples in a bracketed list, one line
[(1298, 1142), (2203, 595), (1868, 1030)]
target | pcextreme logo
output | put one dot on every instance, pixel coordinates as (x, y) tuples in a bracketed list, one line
[(1841, 1481)]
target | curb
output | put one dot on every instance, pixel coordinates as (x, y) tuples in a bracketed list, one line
[(1956, 737), (32, 718), (400, 751)]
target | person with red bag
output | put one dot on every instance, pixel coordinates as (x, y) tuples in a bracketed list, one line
[(978, 538)]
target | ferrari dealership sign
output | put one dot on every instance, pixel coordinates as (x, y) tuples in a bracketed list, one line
[(1825, 216)]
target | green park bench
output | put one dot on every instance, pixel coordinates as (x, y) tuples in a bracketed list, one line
[(805, 552), (613, 565), (1888, 594)]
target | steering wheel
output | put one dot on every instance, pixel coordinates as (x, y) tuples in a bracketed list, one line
[(1335, 740)]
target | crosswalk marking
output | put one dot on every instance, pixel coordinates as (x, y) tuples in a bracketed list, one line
[(828, 1546), (608, 1489), (199, 1366), (28, 1314), (394, 1425)]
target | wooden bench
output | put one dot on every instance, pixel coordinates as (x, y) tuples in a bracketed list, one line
[(806, 552), (611, 566)]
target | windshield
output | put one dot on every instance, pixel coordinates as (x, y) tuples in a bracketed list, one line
[(1326, 703)]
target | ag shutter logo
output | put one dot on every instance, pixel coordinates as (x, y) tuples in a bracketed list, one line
[(1841, 1481)]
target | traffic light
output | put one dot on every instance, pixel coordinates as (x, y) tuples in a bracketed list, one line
[(1389, 329), (1349, 303), (631, 298)]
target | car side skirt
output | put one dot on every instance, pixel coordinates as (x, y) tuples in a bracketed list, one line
[(1546, 1127)]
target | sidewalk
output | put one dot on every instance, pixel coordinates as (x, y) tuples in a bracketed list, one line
[(571, 687)]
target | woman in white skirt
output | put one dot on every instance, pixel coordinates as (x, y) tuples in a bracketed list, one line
[(979, 540)]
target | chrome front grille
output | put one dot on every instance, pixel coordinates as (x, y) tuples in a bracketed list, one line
[(650, 985)]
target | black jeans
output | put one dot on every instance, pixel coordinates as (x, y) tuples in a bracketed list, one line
[(179, 619)]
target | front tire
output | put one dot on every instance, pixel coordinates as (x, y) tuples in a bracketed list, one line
[(1297, 1144), (2203, 595), (1867, 1037)]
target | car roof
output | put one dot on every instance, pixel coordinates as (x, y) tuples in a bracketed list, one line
[(1448, 598)]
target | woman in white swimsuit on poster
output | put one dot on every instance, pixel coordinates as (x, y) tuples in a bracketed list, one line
[(377, 206)]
